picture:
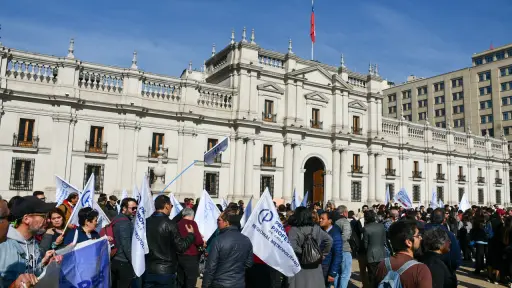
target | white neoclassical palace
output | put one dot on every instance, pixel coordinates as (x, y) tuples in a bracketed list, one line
[(292, 124)]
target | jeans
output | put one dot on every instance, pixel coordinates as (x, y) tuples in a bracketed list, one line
[(346, 270), (159, 280)]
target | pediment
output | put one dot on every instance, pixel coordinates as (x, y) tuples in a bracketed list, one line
[(270, 87), (357, 104), (317, 96), (317, 73)]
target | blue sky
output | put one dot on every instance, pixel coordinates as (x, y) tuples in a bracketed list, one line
[(404, 37)]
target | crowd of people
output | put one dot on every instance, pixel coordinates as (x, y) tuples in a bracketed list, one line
[(423, 246)]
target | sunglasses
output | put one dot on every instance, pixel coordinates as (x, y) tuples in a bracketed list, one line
[(133, 208)]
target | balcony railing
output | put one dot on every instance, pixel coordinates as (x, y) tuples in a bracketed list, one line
[(268, 162), (461, 178), (390, 172), (153, 153), (357, 169), (269, 117), (417, 174), (480, 179), (98, 147), (316, 124), (498, 181), (440, 176), (17, 142), (357, 130)]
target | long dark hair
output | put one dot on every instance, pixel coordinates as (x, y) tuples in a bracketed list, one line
[(302, 217), (57, 211)]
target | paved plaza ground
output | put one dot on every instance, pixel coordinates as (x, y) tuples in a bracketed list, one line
[(464, 275)]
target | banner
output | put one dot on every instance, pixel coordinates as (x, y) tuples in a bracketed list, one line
[(209, 157), (269, 240), (139, 241), (63, 189), (206, 216), (85, 199), (176, 206), (85, 265), (433, 201), (403, 199), (295, 200), (247, 213)]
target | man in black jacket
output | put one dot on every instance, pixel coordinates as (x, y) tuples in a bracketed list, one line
[(374, 237), (164, 241), (230, 255), (122, 269)]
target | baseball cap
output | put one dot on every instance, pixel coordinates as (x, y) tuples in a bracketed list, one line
[(31, 205)]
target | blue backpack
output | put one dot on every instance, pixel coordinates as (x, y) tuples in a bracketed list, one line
[(392, 279)]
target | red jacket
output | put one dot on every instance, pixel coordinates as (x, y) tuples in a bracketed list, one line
[(198, 240)]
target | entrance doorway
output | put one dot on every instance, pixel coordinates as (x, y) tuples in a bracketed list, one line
[(314, 179)]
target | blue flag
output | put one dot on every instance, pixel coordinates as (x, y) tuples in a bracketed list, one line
[(209, 157), (305, 200), (247, 213)]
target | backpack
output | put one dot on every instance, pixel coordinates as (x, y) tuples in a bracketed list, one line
[(311, 256), (108, 231), (392, 279)]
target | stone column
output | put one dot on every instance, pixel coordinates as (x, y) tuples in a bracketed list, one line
[(335, 174), (249, 166), (287, 171), (295, 172), (126, 147), (371, 178), (232, 161), (239, 169), (176, 186), (380, 189), (344, 180)]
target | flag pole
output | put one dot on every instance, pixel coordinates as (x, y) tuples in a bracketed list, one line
[(312, 50), (175, 178), (312, 41)]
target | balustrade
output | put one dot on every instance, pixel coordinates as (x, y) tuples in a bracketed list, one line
[(165, 90), (271, 61), (32, 70), (100, 80)]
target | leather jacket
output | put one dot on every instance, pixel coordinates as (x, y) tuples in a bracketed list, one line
[(164, 241), (230, 255)]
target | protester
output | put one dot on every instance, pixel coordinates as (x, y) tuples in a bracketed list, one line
[(4, 219), (53, 237), (374, 238), (310, 275), (479, 238), (229, 256), (405, 238), (86, 230), (40, 195), (436, 243), (112, 203), (346, 231), (122, 268), (162, 260), (67, 206), (188, 262), (21, 260), (331, 265)]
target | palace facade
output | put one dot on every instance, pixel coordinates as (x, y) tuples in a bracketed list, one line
[(292, 124)]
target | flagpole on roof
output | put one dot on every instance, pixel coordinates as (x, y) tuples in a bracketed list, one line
[(313, 28)]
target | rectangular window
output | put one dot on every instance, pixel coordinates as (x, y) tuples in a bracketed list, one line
[(498, 196), (356, 163), (481, 196), (406, 94), (416, 193), (26, 132), (423, 103), (267, 181), (267, 153), (98, 170), (461, 193), (440, 193), (479, 172), (504, 101), (22, 174), (440, 112), (506, 130), (392, 98), (268, 112), (478, 61), (441, 124), (504, 86), (356, 125), (156, 141), (356, 191), (408, 117), (315, 118), (422, 90), (500, 55), (505, 115), (211, 183), (391, 188), (489, 59), (390, 110), (416, 166), (439, 168), (422, 115), (456, 82), (389, 163), (439, 86), (461, 171)]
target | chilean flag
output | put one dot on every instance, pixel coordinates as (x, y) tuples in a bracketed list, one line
[(312, 33)]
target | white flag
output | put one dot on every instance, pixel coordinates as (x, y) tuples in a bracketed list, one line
[(433, 201), (206, 216), (295, 200), (224, 203), (441, 204), (209, 157), (402, 198), (102, 217), (149, 202), (85, 199), (63, 189), (176, 206), (124, 194), (139, 240), (464, 203), (247, 213), (387, 196), (269, 240)]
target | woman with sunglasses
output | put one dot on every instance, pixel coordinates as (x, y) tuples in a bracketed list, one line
[(87, 221), (53, 238)]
